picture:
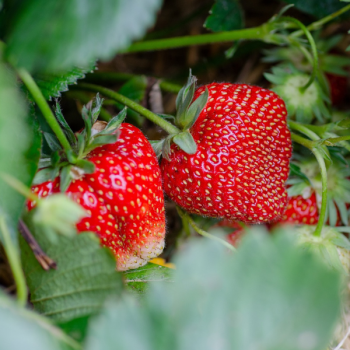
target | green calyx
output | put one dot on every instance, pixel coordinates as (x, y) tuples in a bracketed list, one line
[(302, 104), (332, 247), (72, 164), (188, 112), (307, 179)]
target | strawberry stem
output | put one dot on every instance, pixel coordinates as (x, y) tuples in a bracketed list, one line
[(323, 209), (318, 24), (169, 128), (263, 32), (306, 131), (44, 107), (313, 49), (302, 141), (15, 263), (187, 217), (333, 140)]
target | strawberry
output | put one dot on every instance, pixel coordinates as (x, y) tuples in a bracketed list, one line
[(337, 85), (305, 192), (123, 197), (241, 160), (301, 210)]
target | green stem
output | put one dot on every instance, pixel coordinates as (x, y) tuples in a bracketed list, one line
[(303, 129), (112, 77), (15, 263), (334, 140), (262, 32), (169, 128), (183, 214), (44, 107), (302, 141), (311, 134), (313, 48), (316, 25), (323, 210)]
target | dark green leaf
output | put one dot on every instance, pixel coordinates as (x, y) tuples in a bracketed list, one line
[(225, 15), (138, 280), (315, 8), (19, 146), (103, 140), (296, 171), (268, 295), (44, 175), (66, 128), (84, 278), (65, 178), (115, 122), (186, 142), (23, 329), (76, 328), (52, 141), (134, 88), (166, 147), (88, 167), (56, 36), (157, 146), (195, 109), (52, 84), (166, 116)]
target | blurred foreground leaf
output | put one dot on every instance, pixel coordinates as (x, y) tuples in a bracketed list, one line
[(19, 146), (58, 35), (269, 295), (22, 329), (84, 278)]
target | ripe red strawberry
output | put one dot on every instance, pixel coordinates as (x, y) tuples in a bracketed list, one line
[(337, 86), (301, 210), (241, 162), (123, 198)]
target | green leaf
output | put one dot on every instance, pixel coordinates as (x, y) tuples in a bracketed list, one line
[(186, 142), (115, 122), (23, 329), (157, 146), (313, 8), (44, 175), (88, 167), (225, 15), (52, 84), (138, 280), (195, 109), (84, 278), (56, 36), (19, 146), (66, 128), (134, 88), (268, 293)]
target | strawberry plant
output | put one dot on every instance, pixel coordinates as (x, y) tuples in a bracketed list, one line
[(141, 211)]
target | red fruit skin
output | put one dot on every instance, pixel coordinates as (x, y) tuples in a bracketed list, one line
[(123, 198), (242, 160), (301, 211), (338, 87)]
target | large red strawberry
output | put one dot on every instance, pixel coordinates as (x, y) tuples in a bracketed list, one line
[(123, 197), (241, 160)]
